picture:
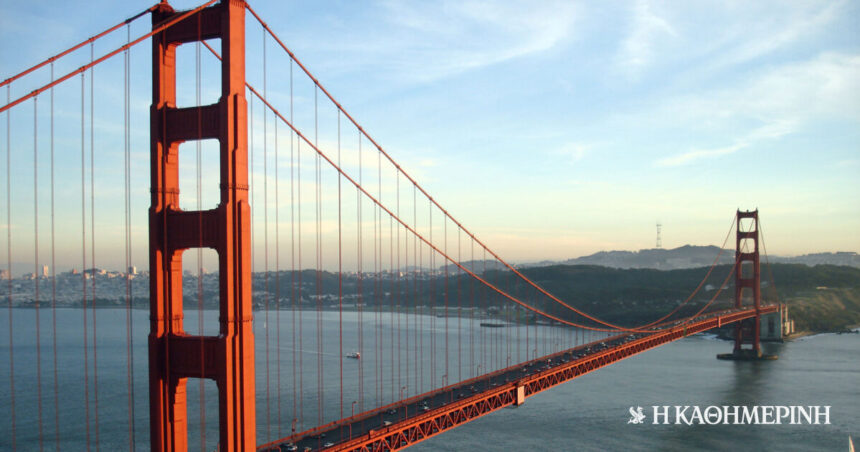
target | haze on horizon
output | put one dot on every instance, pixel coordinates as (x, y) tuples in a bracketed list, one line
[(551, 130)]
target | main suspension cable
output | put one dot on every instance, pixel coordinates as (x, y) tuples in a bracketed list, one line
[(84, 68), (610, 326), (767, 262), (429, 243), (77, 46)]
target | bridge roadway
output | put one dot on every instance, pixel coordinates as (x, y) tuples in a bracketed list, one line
[(412, 420)]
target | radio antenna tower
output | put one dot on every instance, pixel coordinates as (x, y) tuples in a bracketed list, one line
[(659, 239)]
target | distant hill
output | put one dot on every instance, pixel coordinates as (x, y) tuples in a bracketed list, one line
[(821, 298), (847, 258), (690, 256), (687, 256), (475, 266)]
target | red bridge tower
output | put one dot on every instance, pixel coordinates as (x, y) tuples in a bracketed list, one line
[(175, 355), (748, 331), (747, 285)]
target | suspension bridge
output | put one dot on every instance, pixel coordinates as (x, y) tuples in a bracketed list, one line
[(354, 312)]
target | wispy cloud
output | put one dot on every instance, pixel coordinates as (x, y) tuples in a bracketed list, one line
[(574, 152), (765, 37), (425, 41), (769, 105), (714, 38), (768, 131), (847, 163), (637, 50), (699, 154)]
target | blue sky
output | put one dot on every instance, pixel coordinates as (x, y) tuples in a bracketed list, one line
[(558, 129)]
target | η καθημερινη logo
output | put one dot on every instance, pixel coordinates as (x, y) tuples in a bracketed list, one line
[(636, 416)]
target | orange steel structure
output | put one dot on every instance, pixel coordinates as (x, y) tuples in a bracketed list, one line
[(418, 428), (174, 355), (228, 358), (747, 332)]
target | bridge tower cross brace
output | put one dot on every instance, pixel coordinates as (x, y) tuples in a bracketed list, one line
[(175, 355), (748, 331)]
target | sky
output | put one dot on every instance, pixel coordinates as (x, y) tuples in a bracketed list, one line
[(558, 129)]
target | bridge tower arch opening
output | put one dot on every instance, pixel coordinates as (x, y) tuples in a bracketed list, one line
[(174, 355)]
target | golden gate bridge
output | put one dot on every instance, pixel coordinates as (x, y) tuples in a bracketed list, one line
[(314, 222)]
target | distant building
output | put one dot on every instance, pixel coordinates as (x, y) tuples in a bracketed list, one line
[(45, 271), (132, 270), (4, 274), (776, 326)]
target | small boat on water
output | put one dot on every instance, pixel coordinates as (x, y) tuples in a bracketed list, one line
[(492, 325), (354, 355)]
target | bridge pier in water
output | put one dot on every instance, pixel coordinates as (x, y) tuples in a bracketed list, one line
[(747, 279)]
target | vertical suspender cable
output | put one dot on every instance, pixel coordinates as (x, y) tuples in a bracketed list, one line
[(517, 323), (9, 267), (339, 271), (295, 305), (418, 362), (767, 262), (445, 248), (494, 334), (277, 285), (546, 339), (266, 240), (36, 264), (379, 291), (301, 314), (418, 258), (507, 329), (472, 305), (93, 244), (400, 299), (54, 281), (404, 300), (360, 288), (317, 232), (538, 333), (432, 277), (503, 334), (251, 190), (388, 299), (391, 304), (130, 261), (84, 262), (483, 359), (251, 185), (127, 233), (528, 335), (377, 304), (459, 309)]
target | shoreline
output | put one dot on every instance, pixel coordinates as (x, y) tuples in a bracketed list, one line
[(853, 329)]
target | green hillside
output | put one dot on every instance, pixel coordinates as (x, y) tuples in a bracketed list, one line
[(821, 298)]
